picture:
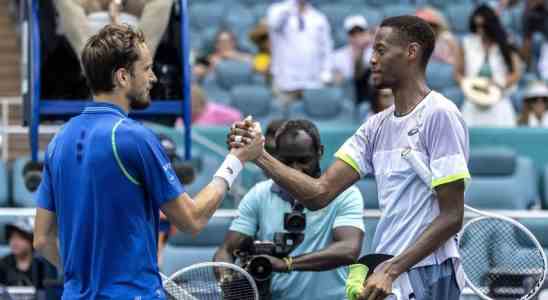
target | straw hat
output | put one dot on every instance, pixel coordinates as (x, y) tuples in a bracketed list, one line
[(481, 91)]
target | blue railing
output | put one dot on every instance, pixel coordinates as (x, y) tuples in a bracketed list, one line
[(65, 108)]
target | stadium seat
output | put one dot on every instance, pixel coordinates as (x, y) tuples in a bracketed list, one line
[(382, 2), (22, 197), (368, 188), (455, 94), (336, 12), (324, 106), (391, 10), (539, 228), (260, 10), (370, 227), (239, 19), (229, 73), (4, 198), (255, 100), (183, 250), (207, 15), (439, 75), (501, 180), (545, 188), (372, 15), (458, 15)]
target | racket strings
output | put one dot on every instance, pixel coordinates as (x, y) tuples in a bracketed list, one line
[(500, 259), (215, 283)]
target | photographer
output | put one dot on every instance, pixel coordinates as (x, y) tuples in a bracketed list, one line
[(332, 235)]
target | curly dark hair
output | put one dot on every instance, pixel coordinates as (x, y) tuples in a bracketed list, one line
[(495, 32), (293, 126), (112, 48), (413, 29)]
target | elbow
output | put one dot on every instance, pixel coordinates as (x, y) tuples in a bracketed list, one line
[(454, 222), (350, 255), (321, 198)]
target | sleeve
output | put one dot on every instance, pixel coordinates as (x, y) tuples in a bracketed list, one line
[(350, 210), (277, 16), (247, 221), (44, 194), (141, 153), (446, 141), (357, 150)]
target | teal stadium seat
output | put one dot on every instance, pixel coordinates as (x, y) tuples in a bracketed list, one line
[(368, 188), (545, 188), (455, 94), (324, 106), (391, 10), (439, 75), (4, 198), (459, 15), (229, 73), (207, 15), (255, 100), (183, 250), (240, 19), (370, 227), (501, 180)]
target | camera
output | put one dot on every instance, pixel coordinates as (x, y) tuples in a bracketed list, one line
[(252, 254), (32, 174)]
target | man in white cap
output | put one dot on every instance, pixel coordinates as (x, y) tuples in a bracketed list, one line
[(20, 267), (351, 62), (358, 51)]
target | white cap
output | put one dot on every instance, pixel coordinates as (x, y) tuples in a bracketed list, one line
[(355, 21), (536, 89)]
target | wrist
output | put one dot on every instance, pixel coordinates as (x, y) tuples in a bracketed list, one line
[(288, 264), (229, 169), (394, 270)]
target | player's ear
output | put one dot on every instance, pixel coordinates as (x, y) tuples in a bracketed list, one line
[(413, 51), (121, 77)]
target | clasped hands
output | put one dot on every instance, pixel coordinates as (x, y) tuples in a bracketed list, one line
[(245, 140)]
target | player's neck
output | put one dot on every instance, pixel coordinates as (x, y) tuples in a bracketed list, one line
[(408, 95), (114, 98)]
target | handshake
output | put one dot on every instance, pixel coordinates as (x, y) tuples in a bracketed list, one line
[(245, 140)]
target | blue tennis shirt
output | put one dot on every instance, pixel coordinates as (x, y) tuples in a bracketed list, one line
[(106, 177)]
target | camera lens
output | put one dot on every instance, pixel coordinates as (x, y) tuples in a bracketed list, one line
[(260, 268), (295, 222)]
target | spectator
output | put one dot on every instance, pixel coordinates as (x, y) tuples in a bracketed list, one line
[(301, 48), (535, 20), (225, 49), (487, 53), (261, 60), (535, 105), (20, 267), (80, 19), (209, 113), (200, 69), (447, 48), (351, 62), (332, 236), (270, 135)]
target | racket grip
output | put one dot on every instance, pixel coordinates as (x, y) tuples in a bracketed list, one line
[(418, 166), (357, 273)]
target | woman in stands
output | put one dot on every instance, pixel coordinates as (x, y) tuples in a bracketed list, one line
[(488, 53), (226, 49), (535, 106), (447, 48)]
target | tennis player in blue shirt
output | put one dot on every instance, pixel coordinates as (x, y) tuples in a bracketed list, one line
[(106, 177)]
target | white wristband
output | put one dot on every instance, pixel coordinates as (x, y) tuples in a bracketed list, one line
[(229, 169)]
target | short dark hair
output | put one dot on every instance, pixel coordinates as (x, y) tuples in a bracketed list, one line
[(114, 47), (293, 126), (413, 29)]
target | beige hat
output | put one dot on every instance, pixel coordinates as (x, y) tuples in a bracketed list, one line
[(481, 91)]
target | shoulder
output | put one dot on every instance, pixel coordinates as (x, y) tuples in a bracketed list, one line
[(438, 106), (377, 119), (127, 132), (261, 188)]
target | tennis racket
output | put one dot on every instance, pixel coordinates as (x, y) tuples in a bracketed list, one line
[(211, 281), (501, 258)]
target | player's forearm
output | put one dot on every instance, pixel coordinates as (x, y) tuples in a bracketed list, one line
[(207, 202), (47, 247), (336, 255), (444, 227), (311, 192)]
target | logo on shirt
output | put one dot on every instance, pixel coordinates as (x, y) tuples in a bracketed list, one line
[(229, 170), (169, 171), (413, 131)]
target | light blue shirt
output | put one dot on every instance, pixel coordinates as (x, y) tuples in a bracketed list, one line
[(261, 214)]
